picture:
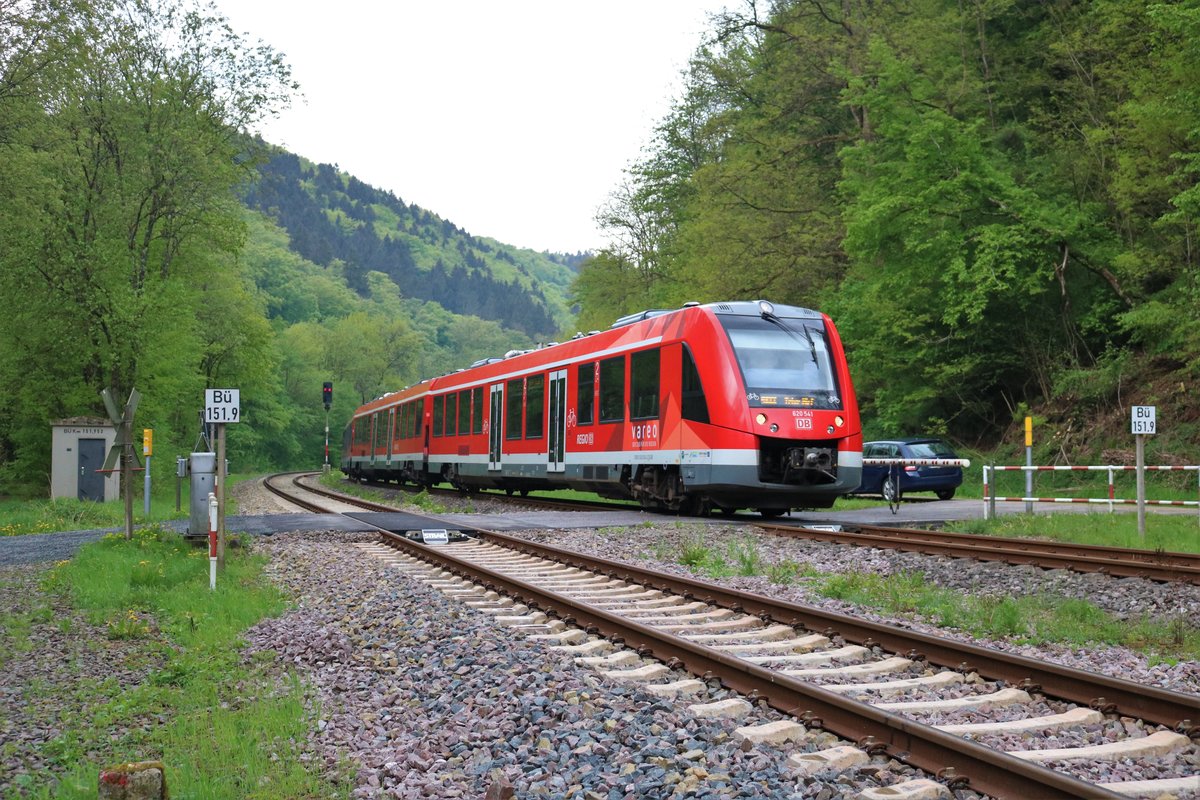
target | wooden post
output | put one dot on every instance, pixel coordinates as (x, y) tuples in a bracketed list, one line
[(127, 474)]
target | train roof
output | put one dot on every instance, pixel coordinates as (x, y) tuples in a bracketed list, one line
[(736, 307)]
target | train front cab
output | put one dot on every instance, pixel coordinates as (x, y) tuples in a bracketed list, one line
[(784, 425)]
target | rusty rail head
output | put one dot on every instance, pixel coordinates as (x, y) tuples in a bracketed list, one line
[(1165, 567), (984, 769)]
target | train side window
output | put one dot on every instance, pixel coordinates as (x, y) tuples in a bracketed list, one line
[(612, 389), (643, 385), (585, 393), (464, 412), (514, 397), (451, 413), (439, 413), (535, 401), (477, 410), (694, 405), (375, 434)]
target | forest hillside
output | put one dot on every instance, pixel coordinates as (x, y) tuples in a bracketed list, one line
[(340, 223), (997, 202), (149, 243)]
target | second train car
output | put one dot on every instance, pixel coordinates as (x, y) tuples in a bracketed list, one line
[(720, 406)]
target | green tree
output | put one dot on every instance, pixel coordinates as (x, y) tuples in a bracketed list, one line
[(124, 148), (370, 353)]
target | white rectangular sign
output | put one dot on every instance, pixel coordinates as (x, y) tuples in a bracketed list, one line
[(1143, 420), (435, 536), (222, 405)]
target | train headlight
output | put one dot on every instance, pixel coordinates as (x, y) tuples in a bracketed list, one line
[(761, 419), (838, 421), (830, 429), (774, 428)]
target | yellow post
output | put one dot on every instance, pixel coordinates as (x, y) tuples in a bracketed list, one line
[(1029, 463), (147, 451)]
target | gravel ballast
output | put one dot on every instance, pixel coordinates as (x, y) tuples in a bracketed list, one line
[(433, 699)]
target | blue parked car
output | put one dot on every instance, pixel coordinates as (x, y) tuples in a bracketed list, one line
[(940, 480)]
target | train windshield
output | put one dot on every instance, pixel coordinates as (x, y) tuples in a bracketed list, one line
[(785, 363)]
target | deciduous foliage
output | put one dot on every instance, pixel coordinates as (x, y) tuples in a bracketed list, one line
[(341, 223), (122, 143), (992, 197)]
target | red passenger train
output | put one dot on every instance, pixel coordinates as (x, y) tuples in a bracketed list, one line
[(720, 406)]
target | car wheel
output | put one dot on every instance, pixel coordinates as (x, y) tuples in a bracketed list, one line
[(888, 490), (945, 494)]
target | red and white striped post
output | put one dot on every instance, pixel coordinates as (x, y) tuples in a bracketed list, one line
[(213, 505)]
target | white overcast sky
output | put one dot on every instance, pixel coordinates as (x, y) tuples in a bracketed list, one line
[(513, 120)]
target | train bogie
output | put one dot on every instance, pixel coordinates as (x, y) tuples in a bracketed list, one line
[(725, 406)]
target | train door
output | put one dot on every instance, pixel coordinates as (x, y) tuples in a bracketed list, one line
[(391, 434), (374, 438), (495, 434), (557, 420)]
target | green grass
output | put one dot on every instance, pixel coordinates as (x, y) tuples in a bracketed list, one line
[(740, 558), (338, 483), (223, 726), (24, 516), (1038, 619), (1170, 532)]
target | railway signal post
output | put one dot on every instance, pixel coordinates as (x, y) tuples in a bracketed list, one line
[(1029, 463), (147, 452), (327, 397)]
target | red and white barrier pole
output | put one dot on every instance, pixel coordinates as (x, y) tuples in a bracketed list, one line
[(212, 541)]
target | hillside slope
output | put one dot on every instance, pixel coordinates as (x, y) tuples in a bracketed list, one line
[(337, 221)]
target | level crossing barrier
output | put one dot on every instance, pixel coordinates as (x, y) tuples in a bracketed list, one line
[(990, 499), (893, 464)]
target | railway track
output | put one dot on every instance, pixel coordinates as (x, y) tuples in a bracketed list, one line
[(812, 664), (774, 651), (1156, 565)]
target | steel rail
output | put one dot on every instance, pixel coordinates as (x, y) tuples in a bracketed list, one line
[(1121, 562), (1103, 692), (268, 483), (319, 490), (961, 762)]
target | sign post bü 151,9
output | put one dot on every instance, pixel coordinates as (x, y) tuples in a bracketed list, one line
[(1143, 422), (221, 406)]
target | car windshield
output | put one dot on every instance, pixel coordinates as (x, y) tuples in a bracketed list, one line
[(936, 449), (784, 362)]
